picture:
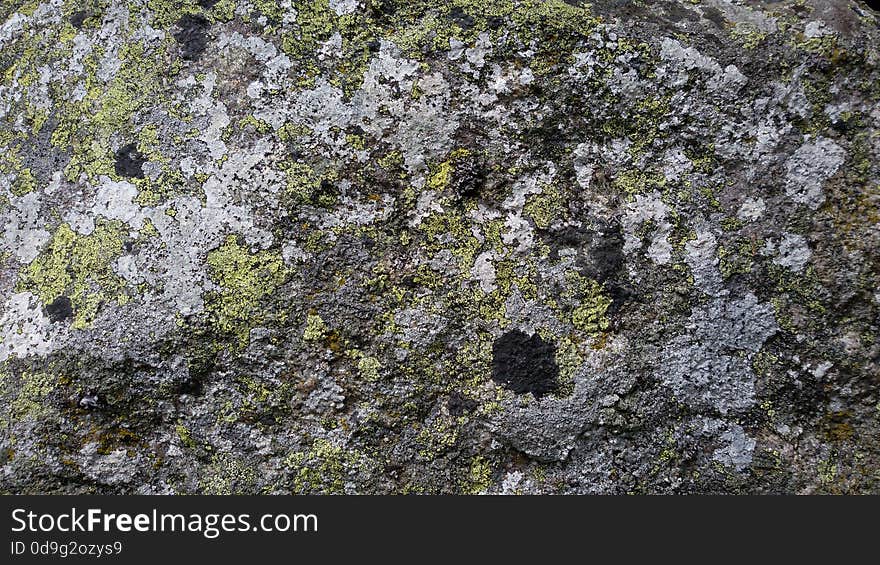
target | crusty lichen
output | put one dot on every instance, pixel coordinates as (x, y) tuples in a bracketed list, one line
[(303, 227), (81, 268), (243, 279)]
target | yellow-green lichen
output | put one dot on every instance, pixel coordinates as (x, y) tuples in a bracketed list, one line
[(544, 207), (323, 468), (185, 436), (31, 399), (227, 474), (437, 437), (369, 367), (315, 328), (79, 267), (591, 304), (244, 280), (479, 476), (315, 22)]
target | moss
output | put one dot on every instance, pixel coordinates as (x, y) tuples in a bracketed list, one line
[(79, 267), (244, 279)]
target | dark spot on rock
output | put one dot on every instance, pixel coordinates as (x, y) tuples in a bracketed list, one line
[(459, 405), (384, 8), (192, 35), (190, 385), (374, 46), (207, 4), (619, 294), (604, 257), (715, 16), (59, 309), (873, 4), (325, 194), (78, 18), (461, 18), (129, 162), (525, 364), (470, 178), (495, 22)]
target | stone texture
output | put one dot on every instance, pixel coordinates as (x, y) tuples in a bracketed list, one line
[(467, 246)]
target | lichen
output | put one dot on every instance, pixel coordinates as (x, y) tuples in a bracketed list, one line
[(81, 268), (244, 280)]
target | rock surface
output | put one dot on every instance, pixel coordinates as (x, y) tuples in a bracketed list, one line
[(459, 246)]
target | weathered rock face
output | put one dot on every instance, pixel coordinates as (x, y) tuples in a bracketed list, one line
[(376, 246)]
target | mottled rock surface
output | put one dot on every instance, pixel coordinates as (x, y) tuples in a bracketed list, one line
[(457, 246)]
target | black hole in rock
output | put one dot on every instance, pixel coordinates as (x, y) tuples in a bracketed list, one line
[(207, 4), (129, 162), (606, 255), (59, 309), (191, 386), (192, 35), (525, 364), (78, 18), (873, 4)]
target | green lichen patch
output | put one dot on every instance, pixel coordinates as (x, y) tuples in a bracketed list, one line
[(227, 474), (244, 279), (591, 304), (80, 268), (34, 388), (324, 468)]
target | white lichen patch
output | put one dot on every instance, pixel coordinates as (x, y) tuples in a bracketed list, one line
[(23, 228), (751, 209), (791, 251), (710, 365), (25, 329), (809, 168)]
